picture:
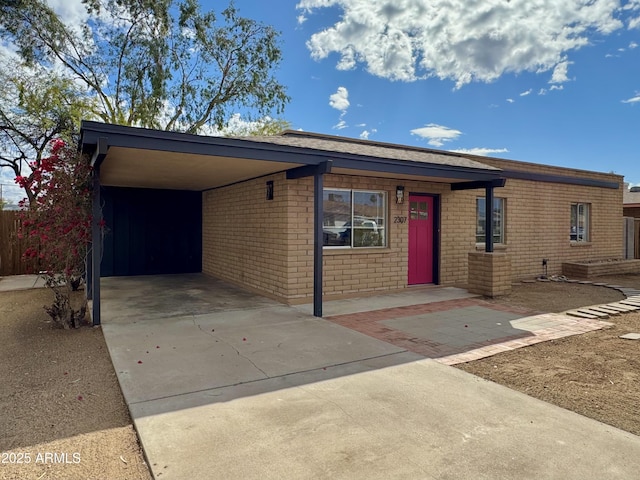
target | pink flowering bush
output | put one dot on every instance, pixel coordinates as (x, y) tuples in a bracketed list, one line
[(57, 225)]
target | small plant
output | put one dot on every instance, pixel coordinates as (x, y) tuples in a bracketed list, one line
[(57, 223)]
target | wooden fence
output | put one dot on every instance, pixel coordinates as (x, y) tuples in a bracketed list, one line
[(12, 248)]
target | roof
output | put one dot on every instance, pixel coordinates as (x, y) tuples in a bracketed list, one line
[(146, 158), (630, 199), (367, 148), (140, 157)]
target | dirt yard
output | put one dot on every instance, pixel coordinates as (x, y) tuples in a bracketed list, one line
[(63, 415), (596, 374)]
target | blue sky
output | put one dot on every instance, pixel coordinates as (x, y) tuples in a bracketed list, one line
[(545, 81), (548, 83)]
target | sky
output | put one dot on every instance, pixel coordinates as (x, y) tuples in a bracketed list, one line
[(544, 81)]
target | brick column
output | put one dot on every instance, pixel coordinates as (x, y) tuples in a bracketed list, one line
[(489, 273)]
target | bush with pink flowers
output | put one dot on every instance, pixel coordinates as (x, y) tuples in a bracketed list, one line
[(57, 224)]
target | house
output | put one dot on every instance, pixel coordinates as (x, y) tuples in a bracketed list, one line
[(631, 209), (631, 201), (303, 217)]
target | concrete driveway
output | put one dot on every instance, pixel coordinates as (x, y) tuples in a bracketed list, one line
[(224, 384)]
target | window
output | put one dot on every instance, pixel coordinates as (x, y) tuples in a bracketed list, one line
[(579, 222), (499, 205), (354, 218)]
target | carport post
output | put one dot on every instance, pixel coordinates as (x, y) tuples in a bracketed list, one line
[(88, 281), (488, 204), (96, 246), (317, 171), (93, 270), (317, 242), (488, 219)]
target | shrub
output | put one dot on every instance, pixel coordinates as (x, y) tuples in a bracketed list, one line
[(57, 222)]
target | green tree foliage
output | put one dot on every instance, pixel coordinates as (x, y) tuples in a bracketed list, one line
[(148, 66), (36, 106)]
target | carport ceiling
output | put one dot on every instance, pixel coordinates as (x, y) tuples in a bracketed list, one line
[(130, 167)]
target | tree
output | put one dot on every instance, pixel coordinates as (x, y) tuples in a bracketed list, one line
[(238, 127), (36, 106), (58, 226), (147, 68)]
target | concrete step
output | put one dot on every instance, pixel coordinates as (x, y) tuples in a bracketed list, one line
[(604, 309), (592, 311), (620, 306), (579, 314), (632, 303)]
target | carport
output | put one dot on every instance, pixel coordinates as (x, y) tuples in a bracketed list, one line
[(141, 175)]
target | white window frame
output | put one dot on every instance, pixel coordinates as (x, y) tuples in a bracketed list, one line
[(502, 238), (580, 232), (382, 228)]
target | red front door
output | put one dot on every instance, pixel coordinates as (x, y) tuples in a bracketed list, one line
[(420, 239)]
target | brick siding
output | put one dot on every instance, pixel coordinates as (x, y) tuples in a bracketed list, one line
[(268, 245)]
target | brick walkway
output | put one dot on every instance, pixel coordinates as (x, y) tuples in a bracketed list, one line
[(458, 331)]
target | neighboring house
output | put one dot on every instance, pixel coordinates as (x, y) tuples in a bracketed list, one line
[(631, 201), (301, 216), (631, 208)]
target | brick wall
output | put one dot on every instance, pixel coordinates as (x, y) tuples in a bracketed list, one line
[(268, 245), (489, 273), (245, 237), (538, 219), (592, 270), (358, 271)]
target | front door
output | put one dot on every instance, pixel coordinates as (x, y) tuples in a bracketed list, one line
[(420, 239)]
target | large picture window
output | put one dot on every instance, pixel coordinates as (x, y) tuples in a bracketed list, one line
[(579, 222), (498, 219), (354, 218)]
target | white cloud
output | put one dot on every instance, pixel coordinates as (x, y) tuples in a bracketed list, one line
[(633, 45), (72, 12), (559, 74), (436, 134), (542, 91), (365, 133), (524, 94), (480, 151), (635, 99), (556, 87), (411, 39), (301, 19), (340, 100), (510, 100), (633, 6), (340, 125)]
